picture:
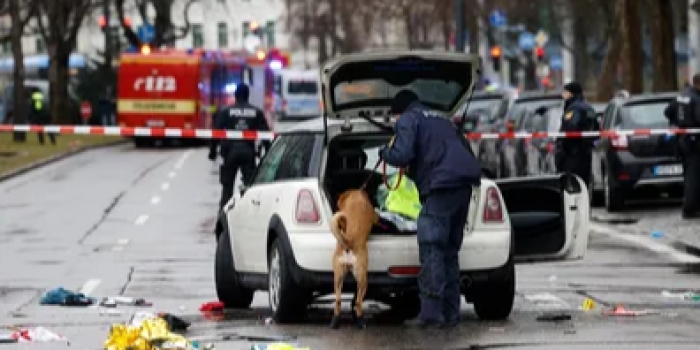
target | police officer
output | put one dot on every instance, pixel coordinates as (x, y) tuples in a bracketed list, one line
[(237, 154), (39, 115), (439, 161), (574, 155), (685, 113)]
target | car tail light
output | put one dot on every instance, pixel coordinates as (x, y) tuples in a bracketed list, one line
[(404, 271), (307, 210), (493, 210), (619, 142)]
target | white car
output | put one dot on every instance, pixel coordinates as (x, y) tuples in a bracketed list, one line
[(276, 235)]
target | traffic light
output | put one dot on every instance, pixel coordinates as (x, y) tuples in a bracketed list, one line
[(102, 21), (496, 54), (539, 54)]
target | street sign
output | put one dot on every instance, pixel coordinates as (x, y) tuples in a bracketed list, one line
[(526, 41), (497, 19), (146, 33), (556, 63), (86, 110), (542, 38)]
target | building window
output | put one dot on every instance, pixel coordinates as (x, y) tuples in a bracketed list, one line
[(223, 35), (197, 36), (40, 47)]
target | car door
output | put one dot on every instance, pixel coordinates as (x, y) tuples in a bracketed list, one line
[(553, 227), (602, 146), (242, 220), (294, 165)]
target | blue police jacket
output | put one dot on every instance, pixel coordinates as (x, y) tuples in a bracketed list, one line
[(434, 151)]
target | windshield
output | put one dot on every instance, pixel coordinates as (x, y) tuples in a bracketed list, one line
[(488, 105), (302, 87), (532, 105), (435, 92), (645, 116)]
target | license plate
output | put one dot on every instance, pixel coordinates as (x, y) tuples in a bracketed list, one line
[(155, 123), (668, 170)]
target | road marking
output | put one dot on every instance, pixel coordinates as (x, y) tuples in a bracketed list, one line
[(164, 186), (182, 160), (123, 241), (90, 286), (646, 243), (155, 200), (172, 174), (141, 219)]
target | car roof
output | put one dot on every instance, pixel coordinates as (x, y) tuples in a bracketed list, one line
[(646, 97), (537, 95)]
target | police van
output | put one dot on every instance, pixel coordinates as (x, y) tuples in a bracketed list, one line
[(296, 95)]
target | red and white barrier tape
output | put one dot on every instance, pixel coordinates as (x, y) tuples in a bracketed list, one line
[(268, 135)]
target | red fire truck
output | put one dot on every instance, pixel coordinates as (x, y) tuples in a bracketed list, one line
[(175, 88)]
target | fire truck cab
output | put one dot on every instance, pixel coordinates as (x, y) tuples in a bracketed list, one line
[(179, 89)]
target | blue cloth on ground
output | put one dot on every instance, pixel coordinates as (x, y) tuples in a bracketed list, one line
[(62, 296)]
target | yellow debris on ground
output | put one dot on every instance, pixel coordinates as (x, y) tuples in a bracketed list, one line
[(151, 334)]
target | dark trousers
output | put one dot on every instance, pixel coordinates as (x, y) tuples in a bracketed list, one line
[(52, 137), (691, 184), (440, 234), (241, 159)]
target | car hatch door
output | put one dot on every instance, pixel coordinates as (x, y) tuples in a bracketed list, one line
[(553, 227)]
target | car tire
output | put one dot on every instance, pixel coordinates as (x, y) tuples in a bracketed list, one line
[(494, 299), (228, 281), (614, 200), (288, 300), (596, 197)]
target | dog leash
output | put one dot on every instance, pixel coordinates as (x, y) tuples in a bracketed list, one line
[(385, 178)]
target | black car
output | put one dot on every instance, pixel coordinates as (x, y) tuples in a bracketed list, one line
[(519, 119), (622, 165)]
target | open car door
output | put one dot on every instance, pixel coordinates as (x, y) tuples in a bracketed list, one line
[(549, 216), (364, 84)]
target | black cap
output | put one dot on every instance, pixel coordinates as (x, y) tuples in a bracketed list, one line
[(574, 88), (242, 93), (402, 100)]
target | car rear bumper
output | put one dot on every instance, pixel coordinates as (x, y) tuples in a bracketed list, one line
[(481, 253), (632, 173)]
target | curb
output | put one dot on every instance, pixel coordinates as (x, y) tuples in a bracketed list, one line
[(41, 163)]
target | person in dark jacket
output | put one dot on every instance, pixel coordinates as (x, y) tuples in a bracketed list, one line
[(39, 115), (439, 161), (237, 154), (684, 113), (574, 155)]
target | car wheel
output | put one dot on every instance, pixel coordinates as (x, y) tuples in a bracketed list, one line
[(595, 196), (493, 299), (287, 299), (228, 281), (405, 306), (614, 199)]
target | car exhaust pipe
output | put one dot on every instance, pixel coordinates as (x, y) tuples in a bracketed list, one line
[(465, 281)]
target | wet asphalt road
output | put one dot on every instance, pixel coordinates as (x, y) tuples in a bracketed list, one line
[(139, 223)]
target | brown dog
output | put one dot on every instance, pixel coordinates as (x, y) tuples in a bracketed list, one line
[(351, 226)]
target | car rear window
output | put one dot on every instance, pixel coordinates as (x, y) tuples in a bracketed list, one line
[(489, 105), (645, 115), (302, 87)]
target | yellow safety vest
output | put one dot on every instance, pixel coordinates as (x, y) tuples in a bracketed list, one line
[(405, 200), (38, 99)]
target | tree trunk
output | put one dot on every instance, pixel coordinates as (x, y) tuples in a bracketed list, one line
[(663, 48), (633, 56), (19, 113), (58, 83), (608, 76), (582, 71)]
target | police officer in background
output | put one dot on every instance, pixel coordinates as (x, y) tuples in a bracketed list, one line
[(237, 154), (440, 162), (684, 113), (39, 115), (574, 155)]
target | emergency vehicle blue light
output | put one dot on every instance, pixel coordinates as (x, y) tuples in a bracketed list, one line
[(275, 64), (230, 88)]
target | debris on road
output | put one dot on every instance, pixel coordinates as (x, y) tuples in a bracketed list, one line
[(554, 317), (125, 301), (588, 304), (33, 335), (622, 311), (686, 295), (145, 332), (657, 234), (64, 297), (212, 306), (276, 346)]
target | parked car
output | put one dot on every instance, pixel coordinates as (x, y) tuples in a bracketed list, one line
[(521, 119), (623, 165), (276, 234), (540, 151)]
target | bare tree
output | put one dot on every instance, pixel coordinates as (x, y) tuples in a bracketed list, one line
[(632, 53), (58, 22), (20, 14), (663, 49), (607, 80), (166, 31)]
